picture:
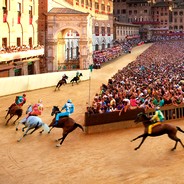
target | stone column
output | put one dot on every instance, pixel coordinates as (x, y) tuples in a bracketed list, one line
[(85, 58), (25, 68), (37, 67), (11, 72)]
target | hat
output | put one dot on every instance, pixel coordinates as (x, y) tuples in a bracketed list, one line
[(157, 108)]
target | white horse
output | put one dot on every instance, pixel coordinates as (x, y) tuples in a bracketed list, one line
[(32, 122)]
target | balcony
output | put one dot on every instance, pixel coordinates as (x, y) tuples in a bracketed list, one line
[(145, 22)]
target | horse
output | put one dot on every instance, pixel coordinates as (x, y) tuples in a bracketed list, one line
[(66, 123), (158, 130), (76, 79), (32, 122), (12, 111), (61, 82)]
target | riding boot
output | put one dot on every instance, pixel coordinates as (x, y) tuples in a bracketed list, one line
[(55, 123)]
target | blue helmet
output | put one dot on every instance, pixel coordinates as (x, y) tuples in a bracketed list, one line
[(69, 101)]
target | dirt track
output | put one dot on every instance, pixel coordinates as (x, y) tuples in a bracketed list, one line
[(106, 158)]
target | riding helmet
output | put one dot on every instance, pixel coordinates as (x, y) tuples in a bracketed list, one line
[(39, 101), (24, 94), (69, 101), (157, 108)]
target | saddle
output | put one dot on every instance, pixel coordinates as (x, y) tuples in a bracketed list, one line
[(150, 127)]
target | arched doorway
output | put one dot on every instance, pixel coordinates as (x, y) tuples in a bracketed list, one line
[(68, 49), (68, 39)]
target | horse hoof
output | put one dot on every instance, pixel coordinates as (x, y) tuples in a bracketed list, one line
[(172, 149), (56, 140), (18, 140), (58, 145), (16, 129)]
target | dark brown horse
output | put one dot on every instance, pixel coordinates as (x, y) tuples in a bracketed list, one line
[(12, 111), (61, 82), (76, 79), (157, 130), (66, 123)]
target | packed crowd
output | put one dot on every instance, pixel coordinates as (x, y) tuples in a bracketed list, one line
[(12, 49), (155, 78), (117, 50)]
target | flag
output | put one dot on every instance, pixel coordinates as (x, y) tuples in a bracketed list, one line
[(91, 67)]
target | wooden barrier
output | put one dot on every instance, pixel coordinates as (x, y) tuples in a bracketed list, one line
[(95, 123)]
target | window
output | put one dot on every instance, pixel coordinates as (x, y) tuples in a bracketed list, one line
[(30, 14), (108, 31), (96, 47), (19, 12), (18, 42), (96, 6), (103, 7), (103, 31), (96, 30), (108, 8)]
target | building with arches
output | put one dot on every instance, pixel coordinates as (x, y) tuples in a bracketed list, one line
[(19, 35), (19, 23), (71, 30)]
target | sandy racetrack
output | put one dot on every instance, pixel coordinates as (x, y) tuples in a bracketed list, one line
[(105, 158)]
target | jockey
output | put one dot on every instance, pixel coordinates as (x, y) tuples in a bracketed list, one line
[(77, 74), (156, 119), (20, 100), (69, 107), (37, 109)]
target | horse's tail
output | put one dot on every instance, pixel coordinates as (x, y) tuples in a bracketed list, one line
[(46, 128), (80, 126), (179, 129)]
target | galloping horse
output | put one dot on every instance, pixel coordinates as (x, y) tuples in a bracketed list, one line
[(61, 82), (157, 130), (76, 79), (67, 123), (32, 122), (12, 111)]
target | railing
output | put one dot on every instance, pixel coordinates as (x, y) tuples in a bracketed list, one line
[(68, 65), (170, 112)]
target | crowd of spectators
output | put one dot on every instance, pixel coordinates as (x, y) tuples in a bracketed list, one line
[(118, 48), (13, 49), (155, 78)]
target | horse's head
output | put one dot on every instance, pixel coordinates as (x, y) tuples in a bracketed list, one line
[(29, 109), (80, 74), (141, 117), (65, 77), (55, 109)]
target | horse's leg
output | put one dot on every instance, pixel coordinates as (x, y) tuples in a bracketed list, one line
[(175, 138), (16, 119), (36, 128), (9, 119), (62, 139), (137, 137), (49, 130), (24, 134), (7, 114), (144, 136)]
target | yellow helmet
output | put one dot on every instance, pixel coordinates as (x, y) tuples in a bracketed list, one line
[(39, 101)]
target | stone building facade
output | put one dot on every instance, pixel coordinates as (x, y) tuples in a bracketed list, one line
[(71, 30), (153, 16), (19, 28)]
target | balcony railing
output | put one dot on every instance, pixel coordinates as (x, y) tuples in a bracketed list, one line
[(145, 22)]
